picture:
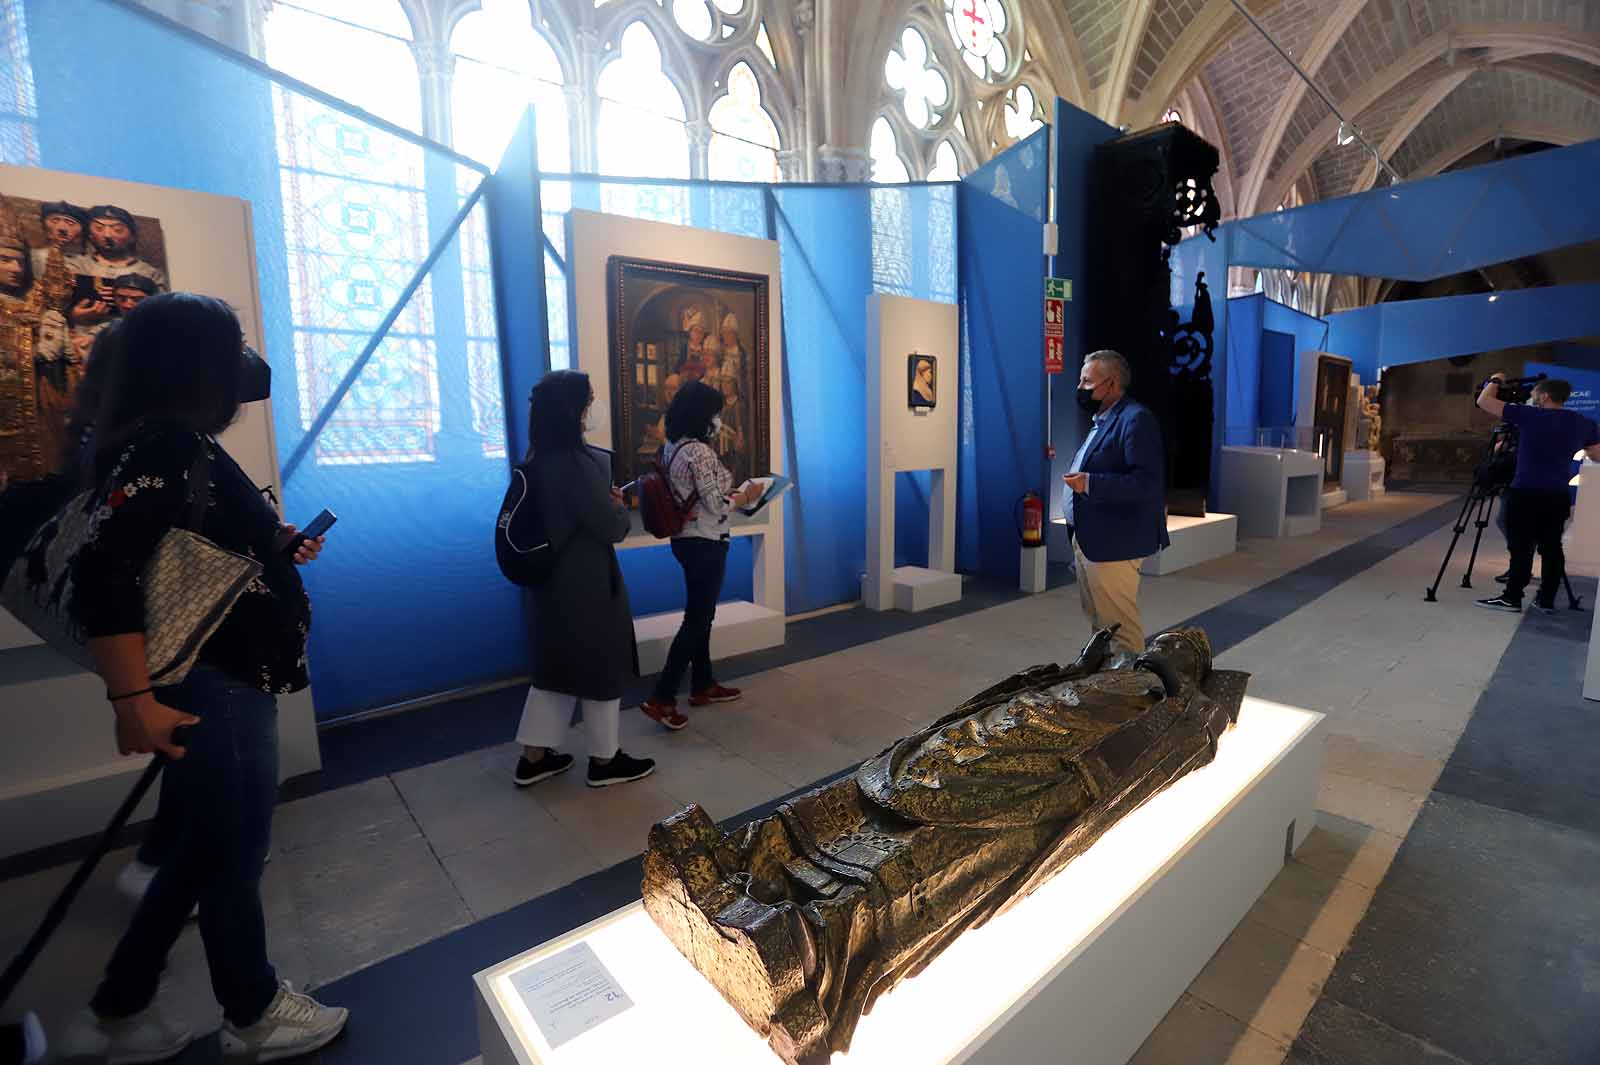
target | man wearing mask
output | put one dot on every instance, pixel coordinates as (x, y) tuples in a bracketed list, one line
[(1114, 498)]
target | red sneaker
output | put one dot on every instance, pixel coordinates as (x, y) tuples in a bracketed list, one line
[(715, 694), (664, 713)]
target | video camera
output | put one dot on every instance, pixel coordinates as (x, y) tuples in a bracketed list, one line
[(1513, 389)]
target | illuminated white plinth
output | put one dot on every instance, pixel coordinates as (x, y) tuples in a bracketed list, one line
[(1193, 541), (1080, 971)]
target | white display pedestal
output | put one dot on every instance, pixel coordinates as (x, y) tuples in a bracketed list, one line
[(1090, 962), (1363, 475), (1583, 535), (1035, 572), (1335, 497), (901, 439), (1591, 673), (741, 626), (1274, 492), (1194, 540)]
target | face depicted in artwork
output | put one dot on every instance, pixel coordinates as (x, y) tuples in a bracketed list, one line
[(81, 343), (13, 268), (669, 390), (111, 238), (730, 390), (925, 374), (127, 297), (63, 230)]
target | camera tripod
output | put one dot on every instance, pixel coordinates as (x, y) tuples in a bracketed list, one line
[(1476, 510)]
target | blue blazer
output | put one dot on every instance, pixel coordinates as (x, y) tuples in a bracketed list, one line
[(1124, 514)]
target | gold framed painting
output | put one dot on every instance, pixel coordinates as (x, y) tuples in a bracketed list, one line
[(673, 323)]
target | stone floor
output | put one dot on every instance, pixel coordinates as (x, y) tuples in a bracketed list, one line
[(370, 871)]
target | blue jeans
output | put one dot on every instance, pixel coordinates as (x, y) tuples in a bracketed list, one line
[(704, 562), (225, 789)]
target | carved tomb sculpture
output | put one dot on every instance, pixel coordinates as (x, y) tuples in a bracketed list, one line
[(804, 918)]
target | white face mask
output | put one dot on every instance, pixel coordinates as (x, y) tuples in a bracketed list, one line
[(716, 425)]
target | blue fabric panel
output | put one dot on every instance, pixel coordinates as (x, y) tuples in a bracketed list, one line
[(1003, 362), (1020, 176), (655, 580), (1439, 226), (1277, 396), (1190, 260), (519, 283), (1420, 330), (1310, 334), (824, 240), (1077, 133), (1247, 374), (412, 544), (911, 494)]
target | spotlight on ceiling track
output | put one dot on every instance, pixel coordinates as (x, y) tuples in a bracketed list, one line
[(1347, 134)]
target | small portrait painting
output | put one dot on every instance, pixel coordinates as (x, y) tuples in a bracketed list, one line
[(923, 382)]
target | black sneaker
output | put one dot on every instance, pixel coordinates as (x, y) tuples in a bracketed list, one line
[(1501, 578), (1544, 608), (549, 764), (1500, 602), (620, 770)]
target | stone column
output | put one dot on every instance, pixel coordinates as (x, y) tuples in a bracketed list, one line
[(842, 165), (699, 131)]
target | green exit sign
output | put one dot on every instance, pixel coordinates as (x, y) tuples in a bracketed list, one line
[(1058, 288)]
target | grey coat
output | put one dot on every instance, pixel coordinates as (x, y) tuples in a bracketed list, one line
[(582, 626)]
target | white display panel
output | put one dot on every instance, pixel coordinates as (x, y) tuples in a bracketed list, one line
[(1122, 929)]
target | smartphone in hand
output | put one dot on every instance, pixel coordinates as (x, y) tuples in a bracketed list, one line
[(319, 525)]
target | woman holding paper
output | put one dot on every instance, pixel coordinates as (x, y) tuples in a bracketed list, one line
[(706, 488)]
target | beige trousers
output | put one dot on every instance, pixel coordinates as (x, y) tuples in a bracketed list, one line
[(1110, 594)]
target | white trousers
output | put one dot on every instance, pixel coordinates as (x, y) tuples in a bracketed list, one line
[(547, 718), (1110, 594)]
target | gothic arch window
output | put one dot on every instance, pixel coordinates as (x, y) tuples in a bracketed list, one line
[(884, 149), (19, 112), (641, 127), (356, 229), (945, 167), (959, 70), (744, 139), (500, 64)]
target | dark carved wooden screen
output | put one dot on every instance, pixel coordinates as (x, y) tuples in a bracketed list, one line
[(1333, 395)]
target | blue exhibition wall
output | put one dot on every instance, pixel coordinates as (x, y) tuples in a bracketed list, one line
[(1077, 134), (1393, 334), (1003, 416), (1266, 342), (1438, 226), (345, 210), (1310, 334)]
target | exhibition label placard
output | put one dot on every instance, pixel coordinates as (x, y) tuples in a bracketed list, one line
[(570, 993)]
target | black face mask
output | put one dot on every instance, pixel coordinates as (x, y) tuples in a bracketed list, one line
[(256, 383), (1087, 401)]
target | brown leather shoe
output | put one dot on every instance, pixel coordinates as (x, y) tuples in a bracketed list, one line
[(664, 713), (715, 694)]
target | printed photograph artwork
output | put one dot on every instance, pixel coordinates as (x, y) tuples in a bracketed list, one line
[(671, 324), (922, 382), (67, 271)]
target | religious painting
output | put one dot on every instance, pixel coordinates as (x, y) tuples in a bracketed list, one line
[(1332, 397), (672, 324), (922, 382), (66, 273)]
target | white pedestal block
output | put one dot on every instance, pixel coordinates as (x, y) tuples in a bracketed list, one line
[(1583, 535), (1274, 492), (741, 627), (1336, 497), (1090, 962), (1034, 568), (1591, 674), (1194, 540), (1363, 475), (914, 589)]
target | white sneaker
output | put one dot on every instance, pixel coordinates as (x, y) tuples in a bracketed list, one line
[(33, 1041), (146, 1036), (134, 880), (294, 1024)]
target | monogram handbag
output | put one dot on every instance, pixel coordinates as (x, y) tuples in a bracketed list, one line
[(189, 584)]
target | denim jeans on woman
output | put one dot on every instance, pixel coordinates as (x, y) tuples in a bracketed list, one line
[(704, 562), (226, 786)]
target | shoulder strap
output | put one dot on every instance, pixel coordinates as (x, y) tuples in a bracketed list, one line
[(199, 488)]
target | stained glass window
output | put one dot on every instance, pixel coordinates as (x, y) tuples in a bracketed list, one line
[(744, 140), (502, 64), (357, 50), (19, 112), (892, 271), (977, 27), (641, 131), (1020, 116), (942, 244), (764, 43), (887, 166), (356, 229), (910, 71), (693, 17)]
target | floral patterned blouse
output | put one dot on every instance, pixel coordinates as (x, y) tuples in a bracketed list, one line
[(262, 642)]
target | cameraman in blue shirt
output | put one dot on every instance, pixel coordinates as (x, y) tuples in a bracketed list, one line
[(1538, 501)]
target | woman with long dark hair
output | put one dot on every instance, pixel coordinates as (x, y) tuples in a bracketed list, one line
[(174, 386), (695, 473), (582, 624)]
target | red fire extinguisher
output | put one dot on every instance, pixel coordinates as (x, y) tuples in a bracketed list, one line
[(1030, 527)]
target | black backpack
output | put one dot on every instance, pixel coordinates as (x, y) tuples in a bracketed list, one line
[(522, 547)]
